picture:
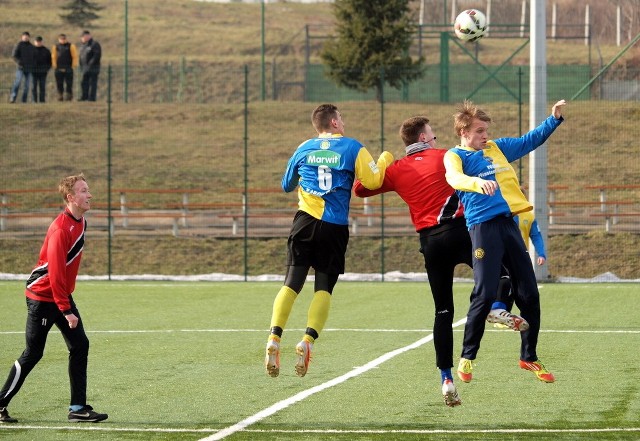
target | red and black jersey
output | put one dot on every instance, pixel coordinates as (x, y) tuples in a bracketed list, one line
[(419, 179), (54, 277)]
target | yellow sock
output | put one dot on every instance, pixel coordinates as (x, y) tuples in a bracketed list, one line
[(318, 313), (282, 306)]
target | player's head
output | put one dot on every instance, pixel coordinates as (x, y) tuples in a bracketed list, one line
[(327, 119), (471, 124), (76, 194), (417, 129), (68, 186)]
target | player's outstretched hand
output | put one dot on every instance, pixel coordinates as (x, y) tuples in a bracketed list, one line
[(557, 109)]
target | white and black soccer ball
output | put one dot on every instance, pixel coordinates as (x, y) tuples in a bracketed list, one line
[(470, 25)]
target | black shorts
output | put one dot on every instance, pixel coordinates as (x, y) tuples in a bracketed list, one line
[(318, 244)]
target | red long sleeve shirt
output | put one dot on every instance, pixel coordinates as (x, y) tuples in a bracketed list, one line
[(419, 179), (54, 277)]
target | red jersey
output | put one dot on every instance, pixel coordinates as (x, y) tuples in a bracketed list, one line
[(54, 277), (419, 179)]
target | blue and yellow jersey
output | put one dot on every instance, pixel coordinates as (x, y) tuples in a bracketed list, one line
[(324, 169), (529, 229), (467, 167)]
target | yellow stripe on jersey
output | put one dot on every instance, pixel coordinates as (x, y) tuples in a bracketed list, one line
[(507, 180), (311, 204)]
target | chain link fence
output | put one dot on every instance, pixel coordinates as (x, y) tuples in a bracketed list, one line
[(184, 163)]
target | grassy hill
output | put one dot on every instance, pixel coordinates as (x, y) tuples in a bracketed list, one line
[(161, 31), (201, 145)]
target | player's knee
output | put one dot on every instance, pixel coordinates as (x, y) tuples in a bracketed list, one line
[(79, 346)]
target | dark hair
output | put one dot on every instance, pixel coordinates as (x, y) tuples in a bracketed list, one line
[(411, 129)]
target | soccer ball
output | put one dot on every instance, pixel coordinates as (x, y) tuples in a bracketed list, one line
[(470, 25)]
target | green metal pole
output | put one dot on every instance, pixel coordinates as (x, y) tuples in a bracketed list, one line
[(444, 67), (444, 12), (382, 242), (182, 79), (126, 51), (246, 171), (109, 218), (262, 50), (604, 69)]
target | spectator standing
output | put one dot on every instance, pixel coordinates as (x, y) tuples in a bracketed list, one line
[(23, 56), (90, 54), (41, 66), (64, 57)]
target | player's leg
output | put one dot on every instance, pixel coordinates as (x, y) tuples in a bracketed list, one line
[(440, 264), (78, 344), (487, 251), (527, 298), (439, 267), (282, 305), (503, 296), (500, 314), (328, 259), (320, 304), (525, 290), (317, 316), (40, 319), (299, 259)]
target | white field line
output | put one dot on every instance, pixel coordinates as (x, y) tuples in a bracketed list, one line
[(222, 330), (107, 428), (358, 371), (241, 425)]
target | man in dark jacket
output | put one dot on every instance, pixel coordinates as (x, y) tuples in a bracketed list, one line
[(64, 57), (23, 57), (90, 54), (41, 66)]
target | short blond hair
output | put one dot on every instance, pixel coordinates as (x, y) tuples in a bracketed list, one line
[(66, 185), (466, 113)]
